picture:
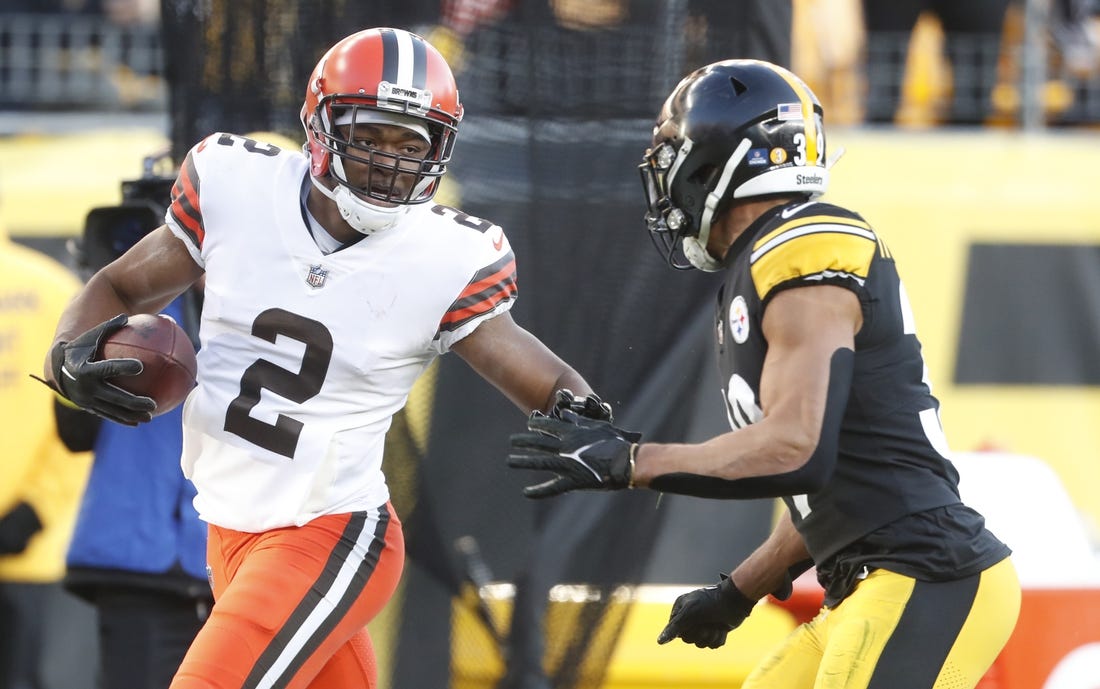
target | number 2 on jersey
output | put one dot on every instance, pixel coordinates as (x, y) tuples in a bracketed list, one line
[(282, 436)]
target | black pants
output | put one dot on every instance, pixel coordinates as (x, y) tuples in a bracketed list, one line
[(22, 634), (143, 636)]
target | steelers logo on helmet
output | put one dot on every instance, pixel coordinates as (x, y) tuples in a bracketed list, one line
[(706, 151)]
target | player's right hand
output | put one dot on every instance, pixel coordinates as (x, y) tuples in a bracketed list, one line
[(583, 453), (705, 616), (589, 406), (84, 381)]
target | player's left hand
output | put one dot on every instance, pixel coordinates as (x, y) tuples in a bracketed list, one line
[(705, 616), (85, 381), (585, 454)]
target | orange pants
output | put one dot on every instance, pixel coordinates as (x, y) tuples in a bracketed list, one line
[(292, 604)]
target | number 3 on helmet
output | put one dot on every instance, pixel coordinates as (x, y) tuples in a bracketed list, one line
[(380, 75), (731, 130)]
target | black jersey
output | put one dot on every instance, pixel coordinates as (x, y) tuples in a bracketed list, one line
[(892, 461)]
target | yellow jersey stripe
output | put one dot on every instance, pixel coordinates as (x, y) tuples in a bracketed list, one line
[(813, 252), (809, 121), (810, 220), (884, 250)]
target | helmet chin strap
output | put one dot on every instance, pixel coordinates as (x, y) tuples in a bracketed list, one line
[(695, 248), (362, 216), (695, 251)]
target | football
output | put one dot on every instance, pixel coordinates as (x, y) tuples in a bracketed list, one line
[(166, 353)]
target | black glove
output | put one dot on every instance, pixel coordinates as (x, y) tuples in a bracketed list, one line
[(589, 406), (17, 527), (705, 616), (84, 381), (586, 454)]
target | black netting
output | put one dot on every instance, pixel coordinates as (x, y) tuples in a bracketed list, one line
[(242, 65)]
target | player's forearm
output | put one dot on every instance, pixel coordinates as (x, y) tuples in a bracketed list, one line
[(761, 449), (766, 569), (773, 460), (108, 294), (791, 451), (94, 304), (97, 302)]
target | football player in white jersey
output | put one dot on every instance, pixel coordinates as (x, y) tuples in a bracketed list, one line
[(331, 282)]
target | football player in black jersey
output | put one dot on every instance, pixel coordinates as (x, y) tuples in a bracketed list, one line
[(828, 398)]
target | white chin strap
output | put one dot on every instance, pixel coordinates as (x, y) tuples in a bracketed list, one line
[(695, 248), (695, 251), (362, 216)]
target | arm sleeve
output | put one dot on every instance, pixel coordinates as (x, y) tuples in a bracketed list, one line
[(808, 478)]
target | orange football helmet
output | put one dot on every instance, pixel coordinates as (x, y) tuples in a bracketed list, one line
[(380, 75)]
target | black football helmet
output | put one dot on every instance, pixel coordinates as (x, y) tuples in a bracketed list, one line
[(731, 130)]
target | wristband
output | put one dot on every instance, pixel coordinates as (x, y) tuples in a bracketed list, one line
[(633, 451), (65, 401)]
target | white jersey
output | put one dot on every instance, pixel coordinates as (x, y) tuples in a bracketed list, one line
[(305, 357)]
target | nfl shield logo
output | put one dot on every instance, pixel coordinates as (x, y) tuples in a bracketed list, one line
[(316, 277)]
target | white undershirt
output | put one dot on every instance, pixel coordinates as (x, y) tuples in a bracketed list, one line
[(325, 241)]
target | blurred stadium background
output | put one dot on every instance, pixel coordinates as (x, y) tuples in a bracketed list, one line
[(996, 224)]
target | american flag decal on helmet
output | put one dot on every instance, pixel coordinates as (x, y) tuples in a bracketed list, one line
[(789, 111)]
